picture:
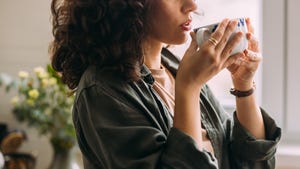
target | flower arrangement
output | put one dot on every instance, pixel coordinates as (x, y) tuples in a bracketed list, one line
[(45, 103)]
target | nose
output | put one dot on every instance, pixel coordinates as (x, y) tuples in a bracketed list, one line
[(189, 6)]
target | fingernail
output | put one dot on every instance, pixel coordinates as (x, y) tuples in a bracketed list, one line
[(248, 19), (240, 34), (233, 22), (248, 35), (226, 20)]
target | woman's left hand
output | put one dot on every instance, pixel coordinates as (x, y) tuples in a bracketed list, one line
[(243, 70)]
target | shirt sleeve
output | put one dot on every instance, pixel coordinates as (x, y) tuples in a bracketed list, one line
[(181, 152), (249, 151), (113, 134)]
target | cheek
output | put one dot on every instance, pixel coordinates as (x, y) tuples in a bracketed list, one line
[(165, 27), (161, 17), (159, 25), (168, 33)]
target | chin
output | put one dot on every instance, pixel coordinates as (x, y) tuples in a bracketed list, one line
[(177, 39), (181, 41)]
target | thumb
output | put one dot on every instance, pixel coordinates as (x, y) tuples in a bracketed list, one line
[(193, 45), (234, 61)]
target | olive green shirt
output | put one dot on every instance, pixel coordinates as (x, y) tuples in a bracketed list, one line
[(123, 125)]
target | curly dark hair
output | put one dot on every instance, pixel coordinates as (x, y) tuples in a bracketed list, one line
[(98, 32)]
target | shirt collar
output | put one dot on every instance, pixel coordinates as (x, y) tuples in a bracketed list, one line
[(146, 75), (169, 60)]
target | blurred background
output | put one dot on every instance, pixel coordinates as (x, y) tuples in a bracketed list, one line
[(25, 33)]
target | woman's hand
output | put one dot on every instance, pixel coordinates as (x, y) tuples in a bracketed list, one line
[(247, 110), (200, 64), (244, 69)]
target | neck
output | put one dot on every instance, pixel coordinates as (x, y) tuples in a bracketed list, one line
[(152, 54)]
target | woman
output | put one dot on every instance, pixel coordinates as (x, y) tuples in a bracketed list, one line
[(129, 113)]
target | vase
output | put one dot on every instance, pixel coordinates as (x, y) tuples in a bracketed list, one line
[(67, 159)]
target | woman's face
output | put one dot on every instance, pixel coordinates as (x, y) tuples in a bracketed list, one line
[(170, 20)]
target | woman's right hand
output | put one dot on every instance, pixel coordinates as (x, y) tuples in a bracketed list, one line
[(200, 64)]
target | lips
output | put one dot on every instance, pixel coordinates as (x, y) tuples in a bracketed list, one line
[(186, 26)]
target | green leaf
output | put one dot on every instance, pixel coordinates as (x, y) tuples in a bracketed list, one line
[(35, 112)]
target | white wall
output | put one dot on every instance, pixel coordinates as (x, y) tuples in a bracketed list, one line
[(281, 78), (24, 38)]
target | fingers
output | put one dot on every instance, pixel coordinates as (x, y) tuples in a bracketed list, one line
[(218, 34), (246, 58), (253, 42), (193, 45), (222, 35), (231, 44), (249, 26), (252, 56), (228, 32), (234, 61), (213, 41)]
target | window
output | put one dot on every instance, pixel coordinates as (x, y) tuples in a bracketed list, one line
[(281, 69), (281, 89)]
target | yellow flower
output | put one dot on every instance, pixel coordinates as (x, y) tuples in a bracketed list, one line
[(33, 94), (45, 82), (52, 81), (15, 100), (30, 102), (40, 72), (43, 75), (23, 74)]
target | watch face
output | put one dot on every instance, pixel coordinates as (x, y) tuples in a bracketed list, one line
[(1, 160)]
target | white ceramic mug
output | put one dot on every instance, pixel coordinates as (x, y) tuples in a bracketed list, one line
[(203, 34)]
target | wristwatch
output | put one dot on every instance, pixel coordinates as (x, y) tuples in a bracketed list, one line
[(246, 93)]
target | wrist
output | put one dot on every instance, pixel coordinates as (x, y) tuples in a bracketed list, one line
[(243, 93), (189, 89), (243, 85)]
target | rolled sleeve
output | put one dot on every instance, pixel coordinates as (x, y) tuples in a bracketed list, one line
[(181, 151), (247, 148)]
